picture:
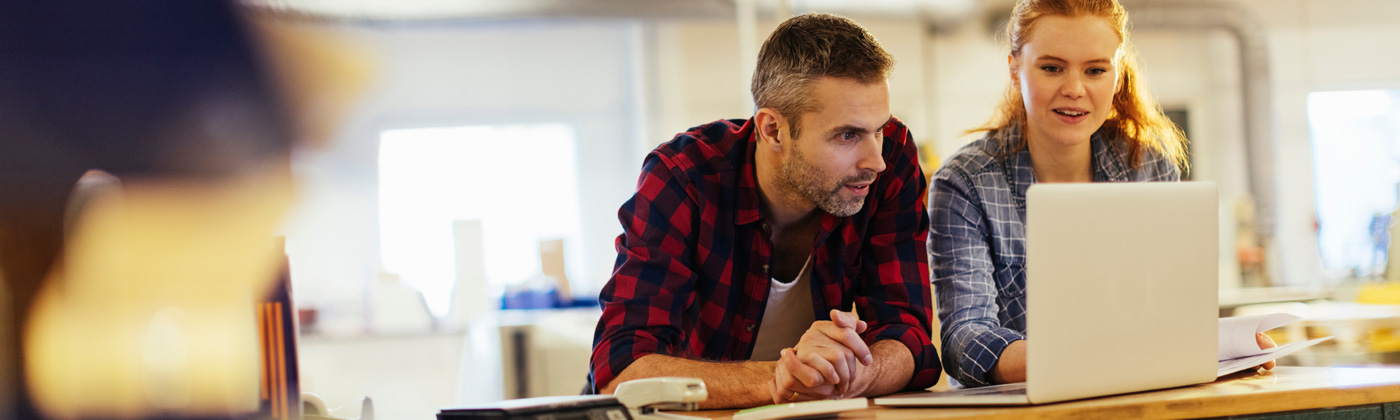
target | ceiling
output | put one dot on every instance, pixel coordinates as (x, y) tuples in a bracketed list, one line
[(455, 10)]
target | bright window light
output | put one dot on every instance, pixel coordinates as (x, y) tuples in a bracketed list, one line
[(518, 180), (1356, 160)]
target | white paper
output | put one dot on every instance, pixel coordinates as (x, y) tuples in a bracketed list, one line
[(1237, 334), (806, 409), (1227, 367)]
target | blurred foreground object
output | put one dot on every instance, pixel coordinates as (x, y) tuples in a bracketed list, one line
[(135, 299), (151, 311), (321, 74), (279, 389)]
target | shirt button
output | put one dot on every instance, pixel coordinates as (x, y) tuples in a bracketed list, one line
[(751, 327)]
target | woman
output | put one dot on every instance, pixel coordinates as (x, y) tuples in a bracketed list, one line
[(1075, 111)]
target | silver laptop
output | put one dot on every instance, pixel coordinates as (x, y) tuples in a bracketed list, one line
[(1121, 294)]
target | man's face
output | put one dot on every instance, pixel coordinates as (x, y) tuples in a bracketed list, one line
[(837, 156)]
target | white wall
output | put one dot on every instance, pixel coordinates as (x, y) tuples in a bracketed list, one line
[(697, 76), (579, 73), (1318, 45)]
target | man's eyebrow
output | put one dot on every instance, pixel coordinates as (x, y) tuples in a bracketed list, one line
[(851, 128), (858, 129)]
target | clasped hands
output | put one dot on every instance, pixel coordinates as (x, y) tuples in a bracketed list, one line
[(831, 361)]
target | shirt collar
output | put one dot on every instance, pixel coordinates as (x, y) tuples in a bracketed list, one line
[(1107, 160), (748, 206), (1109, 156)]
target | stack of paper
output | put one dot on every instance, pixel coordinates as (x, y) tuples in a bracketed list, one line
[(1238, 348)]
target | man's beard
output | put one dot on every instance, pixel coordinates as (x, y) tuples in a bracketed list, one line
[(814, 185)]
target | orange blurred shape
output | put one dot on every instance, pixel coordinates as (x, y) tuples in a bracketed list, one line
[(321, 73), (150, 312)]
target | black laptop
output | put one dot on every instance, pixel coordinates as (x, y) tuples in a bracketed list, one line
[(575, 407)]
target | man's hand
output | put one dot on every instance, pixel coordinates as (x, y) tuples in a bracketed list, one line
[(794, 381), (827, 362), (1265, 342), (730, 385)]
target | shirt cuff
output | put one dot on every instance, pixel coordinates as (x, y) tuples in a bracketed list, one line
[(980, 355), (926, 365)]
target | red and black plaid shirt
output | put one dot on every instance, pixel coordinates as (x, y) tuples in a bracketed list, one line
[(692, 277)]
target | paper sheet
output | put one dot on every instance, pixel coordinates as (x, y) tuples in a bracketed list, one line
[(1236, 334), (1227, 367)]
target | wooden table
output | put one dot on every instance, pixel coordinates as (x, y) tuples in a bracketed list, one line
[(1287, 392)]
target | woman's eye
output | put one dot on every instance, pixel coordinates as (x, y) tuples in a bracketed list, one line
[(1097, 72), (1051, 69)]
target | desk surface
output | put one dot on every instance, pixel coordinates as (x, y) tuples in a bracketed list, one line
[(1283, 389)]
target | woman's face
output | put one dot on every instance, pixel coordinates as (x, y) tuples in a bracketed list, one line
[(1067, 74)]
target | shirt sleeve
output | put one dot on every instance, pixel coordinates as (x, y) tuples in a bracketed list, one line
[(894, 297), (973, 337), (652, 280)]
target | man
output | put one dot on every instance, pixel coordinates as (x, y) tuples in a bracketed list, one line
[(746, 240)]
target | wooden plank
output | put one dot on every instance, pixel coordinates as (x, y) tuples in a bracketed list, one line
[(1281, 390)]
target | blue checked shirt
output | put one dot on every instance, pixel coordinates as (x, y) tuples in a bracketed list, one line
[(977, 242)]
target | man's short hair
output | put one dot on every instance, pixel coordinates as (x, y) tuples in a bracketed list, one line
[(810, 46)]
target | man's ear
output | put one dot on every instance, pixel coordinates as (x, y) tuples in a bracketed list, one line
[(770, 124)]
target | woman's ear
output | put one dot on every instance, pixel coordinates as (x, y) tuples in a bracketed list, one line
[(1125, 75), (1011, 65)]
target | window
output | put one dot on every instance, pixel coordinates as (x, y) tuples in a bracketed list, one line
[(519, 181), (1356, 160)]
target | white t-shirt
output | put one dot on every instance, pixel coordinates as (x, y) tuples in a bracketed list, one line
[(788, 314)]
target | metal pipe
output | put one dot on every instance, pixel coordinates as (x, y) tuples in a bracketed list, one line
[(1256, 93), (1255, 85)]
